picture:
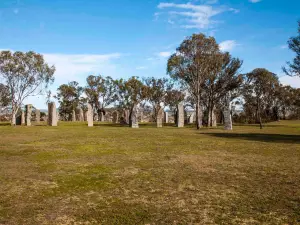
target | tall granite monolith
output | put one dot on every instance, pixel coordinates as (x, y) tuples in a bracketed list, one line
[(133, 121), (73, 115), (227, 113), (90, 115), (52, 114), (81, 117), (22, 118), (115, 116), (37, 116), (180, 115), (28, 111), (166, 117), (159, 118)]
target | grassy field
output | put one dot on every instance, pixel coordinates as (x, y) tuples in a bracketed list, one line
[(73, 174)]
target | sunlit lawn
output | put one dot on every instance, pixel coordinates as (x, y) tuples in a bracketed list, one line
[(106, 174)]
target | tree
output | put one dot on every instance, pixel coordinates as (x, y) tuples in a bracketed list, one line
[(68, 96), (101, 92), (219, 85), (4, 95), (131, 92), (260, 86), (196, 58), (172, 99), (294, 45), (156, 92), (25, 74)]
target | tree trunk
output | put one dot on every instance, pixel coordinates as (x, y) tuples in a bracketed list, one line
[(198, 114), (13, 118)]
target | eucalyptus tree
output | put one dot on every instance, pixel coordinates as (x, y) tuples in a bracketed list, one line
[(101, 92), (172, 99), (131, 93), (25, 74), (68, 96), (195, 59), (221, 85), (294, 66), (156, 89), (4, 95), (260, 85)]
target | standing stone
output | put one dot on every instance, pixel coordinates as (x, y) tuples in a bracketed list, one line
[(141, 116), (159, 118), (126, 116), (227, 113), (37, 116), (180, 115), (90, 116), (212, 118), (85, 115), (81, 117), (166, 117), (133, 118), (52, 114), (73, 115), (23, 118), (115, 115), (191, 119), (28, 109)]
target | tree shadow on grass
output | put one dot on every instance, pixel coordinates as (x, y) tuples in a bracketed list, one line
[(5, 124), (275, 138)]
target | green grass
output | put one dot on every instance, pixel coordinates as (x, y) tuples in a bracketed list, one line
[(106, 174)]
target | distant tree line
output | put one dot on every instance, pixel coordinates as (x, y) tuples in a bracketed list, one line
[(206, 79)]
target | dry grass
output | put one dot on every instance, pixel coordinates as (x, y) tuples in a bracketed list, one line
[(106, 174)]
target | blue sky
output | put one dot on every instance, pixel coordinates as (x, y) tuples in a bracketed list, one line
[(124, 38)]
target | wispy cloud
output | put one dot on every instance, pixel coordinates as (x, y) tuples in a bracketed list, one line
[(78, 66), (164, 54), (228, 45), (141, 68), (16, 11), (195, 16), (284, 46), (254, 1)]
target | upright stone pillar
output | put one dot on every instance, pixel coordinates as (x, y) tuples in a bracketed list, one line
[(159, 118), (126, 116), (133, 118), (37, 116), (227, 113), (85, 115), (191, 119), (52, 114), (81, 117), (115, 115), (23, 118), (28, 109), (180, 115), (90, 115), (166, 117), (212, 119), (73, 116)]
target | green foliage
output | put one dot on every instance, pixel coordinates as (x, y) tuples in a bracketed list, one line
[(25, 74), (68, 96), (294, 45)]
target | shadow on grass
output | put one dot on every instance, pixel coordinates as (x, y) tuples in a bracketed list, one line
[(5, 124), (276, 138), (141, 125)]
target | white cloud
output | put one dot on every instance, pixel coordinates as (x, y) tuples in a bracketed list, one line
[(164, 54), (16, 11), (227, 45), (254, 1), (195, 16), (71, 67), (292, 81), (284, 46), (141, 68)]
